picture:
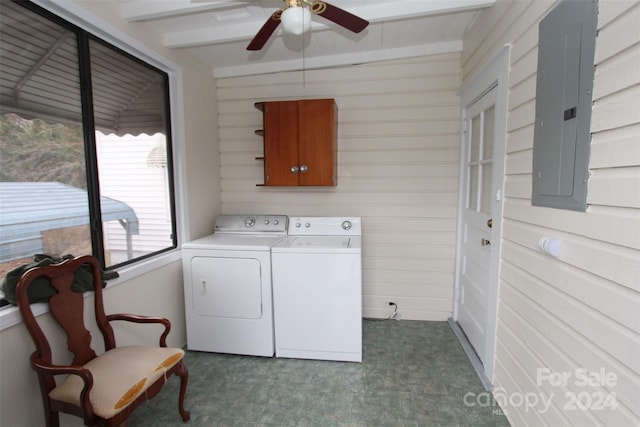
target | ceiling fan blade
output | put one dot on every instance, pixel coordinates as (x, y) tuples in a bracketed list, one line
[(339, 16), (265, 32)]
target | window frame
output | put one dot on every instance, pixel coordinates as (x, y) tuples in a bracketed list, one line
[(98, 29), (95, 214)]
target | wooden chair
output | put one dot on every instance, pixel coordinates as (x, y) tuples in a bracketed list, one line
[(103, 389)]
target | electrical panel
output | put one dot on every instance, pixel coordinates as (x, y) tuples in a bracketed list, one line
[(562, 135)]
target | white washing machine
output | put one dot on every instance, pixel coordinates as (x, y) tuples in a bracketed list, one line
[(317, 289), (227, 285)]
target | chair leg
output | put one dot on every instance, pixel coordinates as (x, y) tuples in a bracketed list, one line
[(183, 373), (52, 418)]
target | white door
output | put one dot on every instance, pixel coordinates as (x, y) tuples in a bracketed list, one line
[(480, 192)]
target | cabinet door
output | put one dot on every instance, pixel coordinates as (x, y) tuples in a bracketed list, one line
[(317, 142), (280, 147)]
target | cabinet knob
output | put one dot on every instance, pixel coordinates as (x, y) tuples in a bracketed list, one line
[(295, 169), (304, 168)]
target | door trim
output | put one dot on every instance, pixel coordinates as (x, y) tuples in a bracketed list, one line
[(494, 74)]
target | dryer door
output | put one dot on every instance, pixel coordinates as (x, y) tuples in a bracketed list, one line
[(226, 287)]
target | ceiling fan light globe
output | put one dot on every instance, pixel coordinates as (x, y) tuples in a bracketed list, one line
[(296, 20)]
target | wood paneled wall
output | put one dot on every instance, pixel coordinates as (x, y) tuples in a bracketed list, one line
[(580, 312), (397, 168)]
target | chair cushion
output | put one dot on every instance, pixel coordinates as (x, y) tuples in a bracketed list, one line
[(119, 376)]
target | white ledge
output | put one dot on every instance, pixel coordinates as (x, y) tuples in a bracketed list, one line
[(10, 315)]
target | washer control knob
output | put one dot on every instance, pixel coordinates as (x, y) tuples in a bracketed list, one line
[(276, 222), (307, 225), (297, 225), (250, 221), (346, 225), (266, 222)]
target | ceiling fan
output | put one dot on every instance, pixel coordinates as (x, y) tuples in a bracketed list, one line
[(296, 18)]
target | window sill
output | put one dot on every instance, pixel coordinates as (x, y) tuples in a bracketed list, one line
[(10, 315)]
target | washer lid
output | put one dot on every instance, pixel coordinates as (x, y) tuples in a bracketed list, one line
[(238, 242), (319, 244)]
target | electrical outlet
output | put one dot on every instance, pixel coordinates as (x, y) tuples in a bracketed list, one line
[(396, 314)]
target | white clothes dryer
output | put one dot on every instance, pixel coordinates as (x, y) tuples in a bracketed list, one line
[(227, 285), (317, 289)]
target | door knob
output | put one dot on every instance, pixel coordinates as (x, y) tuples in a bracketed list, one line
[(485, 242), (490, 222), (295, 169)]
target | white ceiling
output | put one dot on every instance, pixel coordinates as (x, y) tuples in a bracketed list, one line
[(218, 32)]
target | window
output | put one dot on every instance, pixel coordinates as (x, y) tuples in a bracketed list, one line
[(85, 145)]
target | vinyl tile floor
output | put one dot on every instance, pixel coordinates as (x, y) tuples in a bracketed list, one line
[(413, 374)]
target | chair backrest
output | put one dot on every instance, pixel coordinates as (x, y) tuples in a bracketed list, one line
[(67, 307)]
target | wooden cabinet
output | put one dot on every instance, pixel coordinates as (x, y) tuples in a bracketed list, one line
[(299, 142)]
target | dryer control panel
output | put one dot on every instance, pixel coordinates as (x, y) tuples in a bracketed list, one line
[(251, 224)]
